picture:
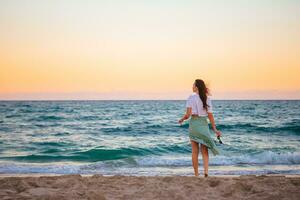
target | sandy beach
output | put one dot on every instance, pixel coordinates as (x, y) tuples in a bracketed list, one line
[(149, 187)]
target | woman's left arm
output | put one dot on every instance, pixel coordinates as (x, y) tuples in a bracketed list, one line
[(186, 115), (213, 125)]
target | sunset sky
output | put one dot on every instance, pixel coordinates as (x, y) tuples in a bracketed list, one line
[(149, 49)]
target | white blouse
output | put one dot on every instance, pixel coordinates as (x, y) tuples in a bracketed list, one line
[(196, 104)]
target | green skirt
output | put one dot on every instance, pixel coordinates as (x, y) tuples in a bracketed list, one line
[(199, 132)]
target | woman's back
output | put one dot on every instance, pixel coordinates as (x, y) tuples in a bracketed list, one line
[(196, 104)]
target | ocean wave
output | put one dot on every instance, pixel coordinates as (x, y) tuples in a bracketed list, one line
[(53, 144), (157, 156), (13, 116), (88, 118), (294, 128), (263, 158), (185, 125), (136, 126), (6, 129), (68, 168), (263, 163), (95, 154), (158, 126), (46, 118), (116, 129)]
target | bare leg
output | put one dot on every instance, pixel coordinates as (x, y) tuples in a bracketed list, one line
[(205, 157), (195, 153)]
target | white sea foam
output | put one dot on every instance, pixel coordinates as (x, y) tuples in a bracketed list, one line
[(263, 163), (264, 158)]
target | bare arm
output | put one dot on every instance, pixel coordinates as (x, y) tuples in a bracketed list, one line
[(187, 115), (213, 125), (212, 121)]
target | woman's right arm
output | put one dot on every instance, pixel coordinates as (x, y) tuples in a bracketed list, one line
[(186, 115), (188, 112)]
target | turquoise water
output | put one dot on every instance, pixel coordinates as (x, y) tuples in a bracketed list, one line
[(144, 138)]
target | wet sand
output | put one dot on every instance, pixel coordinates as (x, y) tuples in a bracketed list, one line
[(149, 187)]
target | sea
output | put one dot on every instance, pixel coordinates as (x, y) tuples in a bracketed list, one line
[(143, 137)]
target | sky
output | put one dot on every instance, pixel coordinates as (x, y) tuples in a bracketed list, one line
[(149, 49)]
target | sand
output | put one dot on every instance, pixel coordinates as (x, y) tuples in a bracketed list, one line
[(149, 187)]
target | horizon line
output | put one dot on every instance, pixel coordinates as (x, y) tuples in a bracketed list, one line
[(145, 99)]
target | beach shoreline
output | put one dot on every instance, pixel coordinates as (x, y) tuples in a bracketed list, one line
[(3, 175), (76, 186)]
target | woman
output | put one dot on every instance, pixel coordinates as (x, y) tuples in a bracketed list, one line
[(199, 107)]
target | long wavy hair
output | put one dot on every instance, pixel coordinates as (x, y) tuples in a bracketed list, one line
[(203, 92)]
